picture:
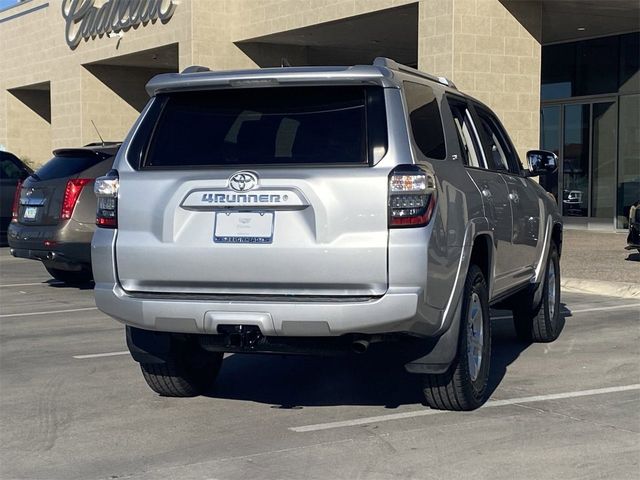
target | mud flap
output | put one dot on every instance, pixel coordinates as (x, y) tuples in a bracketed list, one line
[(147, 346), (441, 352)]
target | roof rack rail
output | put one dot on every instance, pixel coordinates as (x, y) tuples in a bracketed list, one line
[(393, 65), (196, 69)]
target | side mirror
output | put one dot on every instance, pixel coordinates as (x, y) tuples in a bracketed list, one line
[(541, 162)]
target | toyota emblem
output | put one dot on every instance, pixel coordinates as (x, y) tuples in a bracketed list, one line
[(243, 181)]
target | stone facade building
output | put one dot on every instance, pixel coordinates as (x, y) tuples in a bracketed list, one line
[(67, 65)]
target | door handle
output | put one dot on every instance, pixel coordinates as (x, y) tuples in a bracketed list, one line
[(486, 192)]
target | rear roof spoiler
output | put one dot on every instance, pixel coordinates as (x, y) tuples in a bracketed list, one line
[(196, 77), (106, 151)]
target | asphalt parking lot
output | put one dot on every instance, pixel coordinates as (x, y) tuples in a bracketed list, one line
[(73, 404)]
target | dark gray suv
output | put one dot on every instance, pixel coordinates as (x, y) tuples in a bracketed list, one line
[(55, 211), (321, 210)]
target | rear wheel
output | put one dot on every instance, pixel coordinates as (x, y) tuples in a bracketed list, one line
[(542, 322), (69, 276), (464, 385), (185, 374)]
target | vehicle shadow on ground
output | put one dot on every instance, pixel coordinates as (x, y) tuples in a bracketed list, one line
[(507, 347), (294, 382)]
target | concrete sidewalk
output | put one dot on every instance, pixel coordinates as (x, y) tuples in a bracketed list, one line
[(596, 262)]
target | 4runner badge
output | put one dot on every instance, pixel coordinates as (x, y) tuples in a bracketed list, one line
[(243, 181)]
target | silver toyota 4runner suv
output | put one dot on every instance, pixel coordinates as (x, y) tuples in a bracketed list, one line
[(322, 210)]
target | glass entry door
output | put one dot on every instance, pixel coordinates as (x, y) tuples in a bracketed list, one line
[(584, 136)]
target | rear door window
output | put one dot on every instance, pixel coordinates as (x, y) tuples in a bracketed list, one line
[(500, 150), (9, 169), (424, 117), (268, 126), (471, 155), (67, 166)]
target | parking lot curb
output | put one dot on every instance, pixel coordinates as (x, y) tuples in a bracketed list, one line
[(597, 287)]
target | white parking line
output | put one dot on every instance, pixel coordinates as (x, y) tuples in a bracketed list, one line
[(602, 309), (489, 404), (582, 310), (31, 284), (98, 355), (50, 312)]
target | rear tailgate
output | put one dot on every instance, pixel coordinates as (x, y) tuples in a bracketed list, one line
[(42, 194), (259, 192)]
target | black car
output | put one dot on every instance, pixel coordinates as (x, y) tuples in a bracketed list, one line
[(633, 240), (56, 211), (12, 172)]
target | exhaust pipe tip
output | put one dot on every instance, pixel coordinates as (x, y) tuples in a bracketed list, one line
[(360, 346)]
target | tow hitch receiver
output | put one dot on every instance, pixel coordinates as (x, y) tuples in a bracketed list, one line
[(241, 336)]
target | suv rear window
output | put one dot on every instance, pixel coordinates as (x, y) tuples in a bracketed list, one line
[(282, 125), (67, 165)]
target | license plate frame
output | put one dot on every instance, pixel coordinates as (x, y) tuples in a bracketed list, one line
[(246, 227)]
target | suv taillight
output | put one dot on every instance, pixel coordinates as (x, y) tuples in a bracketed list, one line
[(16, 202), (71, 195), (412, 197), (106, 189)]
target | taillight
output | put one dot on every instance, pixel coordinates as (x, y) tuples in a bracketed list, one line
[(71, 195), (412, 197), (16, 202), (106, 189)]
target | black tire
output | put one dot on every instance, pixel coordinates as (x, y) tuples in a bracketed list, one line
[(185, 375), (457, 389), (71, 277), (543, 322)]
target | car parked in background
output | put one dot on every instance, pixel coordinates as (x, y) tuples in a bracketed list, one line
[(633, 240), (12, 172), (54, 212)]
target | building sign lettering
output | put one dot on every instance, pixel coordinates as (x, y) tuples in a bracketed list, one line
[(85, 20)]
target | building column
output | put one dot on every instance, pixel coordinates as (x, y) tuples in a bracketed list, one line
[(66, 106), (489, 54)]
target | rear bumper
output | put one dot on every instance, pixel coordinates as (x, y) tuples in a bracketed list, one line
[(402, 309), (396, 311), (65, 248), (61, 250)]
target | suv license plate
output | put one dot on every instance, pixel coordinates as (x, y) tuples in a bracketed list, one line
[(30, 213), (243, 227)]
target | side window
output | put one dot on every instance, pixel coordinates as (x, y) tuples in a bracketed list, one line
[(425, 120), (501, 152), (470, 153), (9, 170)]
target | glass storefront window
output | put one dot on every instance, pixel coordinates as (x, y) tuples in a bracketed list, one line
[(575, 165), (590, 115), (630, 63), (596, 66), (591, 67), (603, 160), (558, 71), (550, 140), (628, 157)]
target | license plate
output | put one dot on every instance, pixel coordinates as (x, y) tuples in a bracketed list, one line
[(243, 227), (30, 213)]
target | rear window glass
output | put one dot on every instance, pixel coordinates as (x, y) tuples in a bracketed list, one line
[(285, 125), (67, 166)]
